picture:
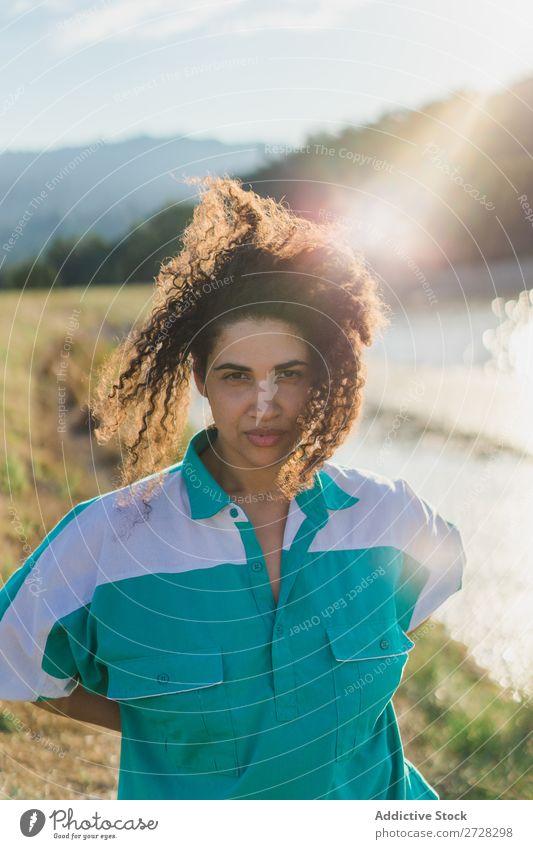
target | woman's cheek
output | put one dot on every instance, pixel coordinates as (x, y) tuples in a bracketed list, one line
[(295, 398), (229, 402)]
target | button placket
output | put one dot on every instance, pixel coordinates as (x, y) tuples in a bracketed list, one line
[(257, 571), (292, 560), (284, 678), (283, 661)]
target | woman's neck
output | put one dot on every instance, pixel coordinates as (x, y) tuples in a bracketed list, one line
[(239, 482)]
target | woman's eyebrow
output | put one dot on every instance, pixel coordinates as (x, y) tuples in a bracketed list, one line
[(288, 364)]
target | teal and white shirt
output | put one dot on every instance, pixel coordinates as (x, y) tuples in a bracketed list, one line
[(223, 694)]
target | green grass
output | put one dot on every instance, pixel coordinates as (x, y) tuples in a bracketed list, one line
[(13, 475), (467, 735)]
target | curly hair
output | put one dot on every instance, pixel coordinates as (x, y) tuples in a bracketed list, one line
[(242, 256)]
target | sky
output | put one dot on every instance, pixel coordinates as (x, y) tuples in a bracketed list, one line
[(243, 70)]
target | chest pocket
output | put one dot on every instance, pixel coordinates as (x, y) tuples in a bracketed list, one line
[(178, 703), (367, 661)]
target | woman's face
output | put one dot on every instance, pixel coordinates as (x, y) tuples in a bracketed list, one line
[(257, 381)]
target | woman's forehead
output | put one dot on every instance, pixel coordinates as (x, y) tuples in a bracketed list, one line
[(254, 338)]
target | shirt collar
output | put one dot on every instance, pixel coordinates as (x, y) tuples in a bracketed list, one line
[(207, 497)]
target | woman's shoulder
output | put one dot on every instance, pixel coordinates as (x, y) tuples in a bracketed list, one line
[(389, 511), (393, 501), (81, 530), (364, 483)]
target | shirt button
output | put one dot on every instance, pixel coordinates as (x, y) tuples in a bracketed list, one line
[(234, 512), (384, 644), (279, 630), (257, 567)]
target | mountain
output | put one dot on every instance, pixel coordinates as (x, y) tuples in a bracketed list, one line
[(448, 183), (102, 187)]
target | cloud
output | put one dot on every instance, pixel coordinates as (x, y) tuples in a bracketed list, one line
[(128, 20), (157, 20)]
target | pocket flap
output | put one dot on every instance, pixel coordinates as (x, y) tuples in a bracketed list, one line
[(368, 640), (164, 673)]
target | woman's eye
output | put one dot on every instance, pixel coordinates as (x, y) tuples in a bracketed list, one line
[(290, 373), (235, 374)]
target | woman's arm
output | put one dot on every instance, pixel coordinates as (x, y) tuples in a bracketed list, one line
[(87, 707)]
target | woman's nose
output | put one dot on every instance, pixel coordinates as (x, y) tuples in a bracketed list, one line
[(264, 398)]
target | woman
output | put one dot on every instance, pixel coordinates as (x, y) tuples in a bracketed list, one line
[(248, 607)]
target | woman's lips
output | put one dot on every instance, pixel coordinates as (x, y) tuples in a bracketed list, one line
[(264, 440)]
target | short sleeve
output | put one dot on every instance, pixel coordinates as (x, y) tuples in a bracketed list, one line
[(44, 630), (433, 559)]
